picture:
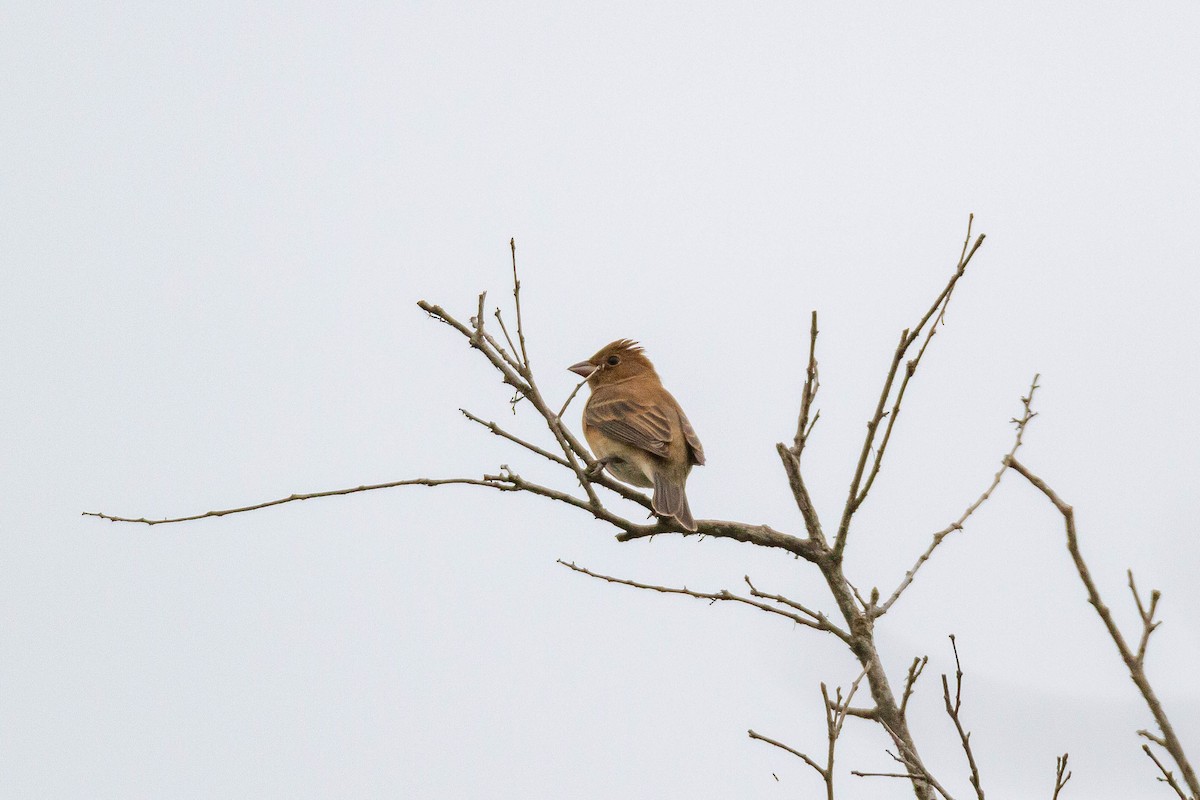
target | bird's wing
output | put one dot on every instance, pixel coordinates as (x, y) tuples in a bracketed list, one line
[(695, 449), (643, 424)]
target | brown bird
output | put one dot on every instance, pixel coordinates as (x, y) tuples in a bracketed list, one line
[(637, 429)]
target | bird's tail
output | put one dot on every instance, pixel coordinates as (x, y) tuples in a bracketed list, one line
[(670, 500)]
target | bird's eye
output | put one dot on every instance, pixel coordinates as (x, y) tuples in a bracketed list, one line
[(613, 361)]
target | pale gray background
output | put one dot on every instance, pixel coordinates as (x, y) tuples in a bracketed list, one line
[(215, 223)]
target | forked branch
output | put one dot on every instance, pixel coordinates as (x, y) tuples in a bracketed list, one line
[(1061, 776), (1165, 775), (910, 683), (790, 456), (915, 771), (805, 617), (858, 490), (1169, 741), (836, 710), (953, 710)]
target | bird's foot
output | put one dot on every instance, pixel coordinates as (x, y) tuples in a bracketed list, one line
[(597, 468)]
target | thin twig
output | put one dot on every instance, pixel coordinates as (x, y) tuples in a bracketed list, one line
[(1158, 740), (1167, 777), (1147, 615), (496, 429), (1061, 775), (790, 456), (778, 598), (811, 384), (1021, 423), (512, 243), (912, 776), (852, 500), (491, 484), (783, 746), (1169, 741), (910, 369), (571, 396), (522, 380), (914, 672), (723, 594), (953, 711), (855, 497), (507, 338), (477, 320), (836, 710), (909, 761)]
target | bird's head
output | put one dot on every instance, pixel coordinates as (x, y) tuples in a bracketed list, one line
[(618, 361)]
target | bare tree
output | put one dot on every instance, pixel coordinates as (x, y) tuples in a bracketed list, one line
[(854, 620)]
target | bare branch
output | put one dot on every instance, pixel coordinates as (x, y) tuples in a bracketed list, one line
[(856, 496), (957, 525), (477, 320), (953, 711), (571, 396), (569, 447), (1061, 775), (812, 522), (1168, 777), (1169, 741), (487, 481), (508, 359), (862, 601), (817, 616), (918, 776), (910, 369), (794, 752), (914, 672), (912, 776), (836, 710), (724, 594), (861, 713), (761, 535), (507, 338), (909, 760), (521, 379), (1158, 740), (852, 500), (1147, 615), (791, 455), (511, 374), (496, 429), (811, 384), (600, 512), (506, 480), (512, 243)]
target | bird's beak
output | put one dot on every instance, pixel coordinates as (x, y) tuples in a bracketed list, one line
[(584, 369)]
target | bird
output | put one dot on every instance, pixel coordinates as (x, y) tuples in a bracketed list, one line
[(637, 429)]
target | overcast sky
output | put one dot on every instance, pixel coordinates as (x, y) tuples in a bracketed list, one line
[(215, 223)]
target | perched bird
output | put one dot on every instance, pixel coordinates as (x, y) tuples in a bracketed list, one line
[(636, 428)]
